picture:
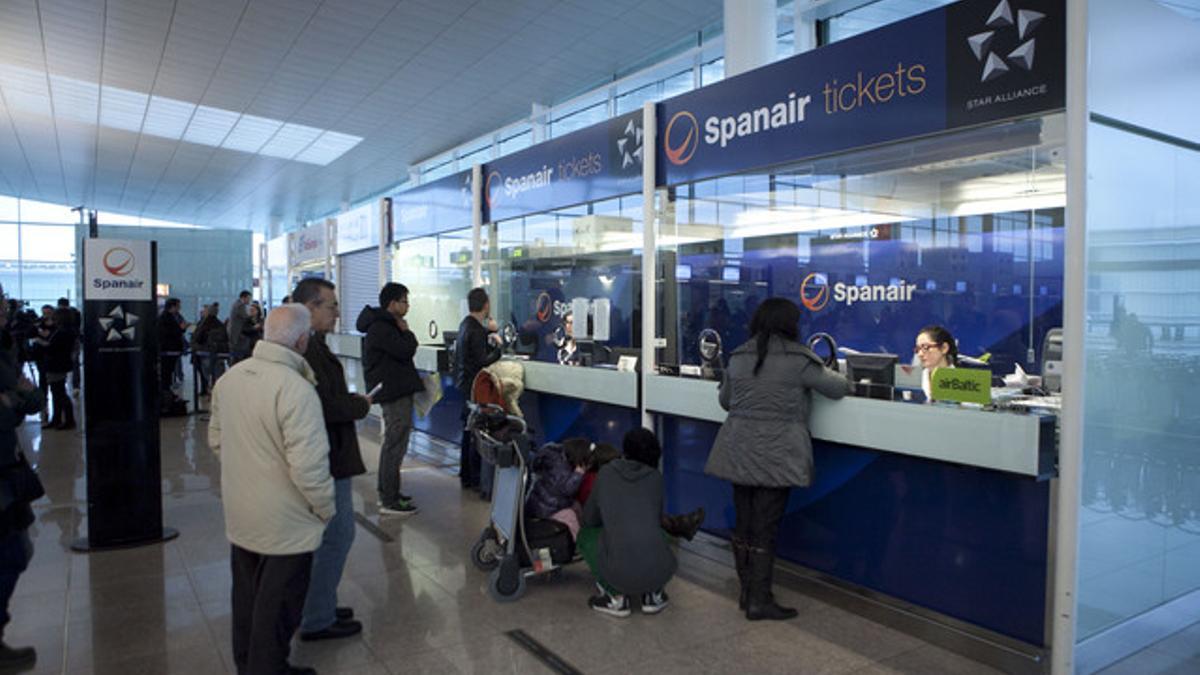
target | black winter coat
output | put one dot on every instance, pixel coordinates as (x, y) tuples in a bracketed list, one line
[(341, 410), (211, 336), (60, 352), (21, 403), (387, 355), (472, 353), (170, 333)]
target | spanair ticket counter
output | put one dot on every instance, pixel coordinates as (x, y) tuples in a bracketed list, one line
[(883, 183)]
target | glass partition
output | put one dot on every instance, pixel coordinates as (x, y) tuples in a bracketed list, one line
[(963, 230), (437, 271), (542, 267)]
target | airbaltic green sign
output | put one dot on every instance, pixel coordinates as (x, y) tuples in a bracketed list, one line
[(965, 385)]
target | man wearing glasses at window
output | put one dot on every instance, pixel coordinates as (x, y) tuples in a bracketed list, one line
[(388, 350)]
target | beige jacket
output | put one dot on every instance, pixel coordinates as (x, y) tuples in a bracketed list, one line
[(269, 431)]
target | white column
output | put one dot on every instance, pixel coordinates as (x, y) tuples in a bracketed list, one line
[(539, 120), (1070, 450), (385, 257), (804, 31), (477, 225), (749, 35), (649, 252)]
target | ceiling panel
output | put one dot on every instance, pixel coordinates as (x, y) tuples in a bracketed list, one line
[(128, 107)]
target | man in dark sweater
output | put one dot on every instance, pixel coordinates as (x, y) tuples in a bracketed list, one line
[(622, 540), (323, 619), (170, 345), (388, 350), (476, 348)]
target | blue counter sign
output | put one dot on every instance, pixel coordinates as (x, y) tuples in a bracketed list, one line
[(969, 63)]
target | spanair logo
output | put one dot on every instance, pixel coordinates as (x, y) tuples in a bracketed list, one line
[(995, 66), (545, 306), (494, 180), (681, 138), (118, 261), (814, 292)]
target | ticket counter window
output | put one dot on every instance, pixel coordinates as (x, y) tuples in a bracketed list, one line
[(963, 230), (437, 271), (584, 262)]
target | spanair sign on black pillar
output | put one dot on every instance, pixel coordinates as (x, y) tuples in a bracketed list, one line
[(121, 397)]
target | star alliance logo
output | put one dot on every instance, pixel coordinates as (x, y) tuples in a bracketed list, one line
[(629, 145), (119, 325), (995, 66)]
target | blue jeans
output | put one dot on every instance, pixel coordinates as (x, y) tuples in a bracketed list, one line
[(320, 604), (16, 550)]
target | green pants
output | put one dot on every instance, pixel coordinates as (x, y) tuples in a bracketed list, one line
[(588, 544)]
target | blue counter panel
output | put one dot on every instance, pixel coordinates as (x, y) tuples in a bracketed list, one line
[(554, 418), (966, 542), (445, 420)]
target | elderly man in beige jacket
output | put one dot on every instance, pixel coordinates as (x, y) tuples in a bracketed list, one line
[(268, 428)]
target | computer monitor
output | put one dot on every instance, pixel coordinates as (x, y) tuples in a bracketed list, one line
[(873, 375), (449, 337)]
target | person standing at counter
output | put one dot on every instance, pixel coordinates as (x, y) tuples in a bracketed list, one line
[(388, 349), (935, 348), (476, 348), (764, 447)]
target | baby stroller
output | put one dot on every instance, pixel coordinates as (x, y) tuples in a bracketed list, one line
[(511, 548)]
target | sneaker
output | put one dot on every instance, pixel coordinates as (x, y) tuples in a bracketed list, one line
[(612, 605), (401, 508), (653, 603)]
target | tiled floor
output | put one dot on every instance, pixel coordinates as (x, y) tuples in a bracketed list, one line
[(165, 608)]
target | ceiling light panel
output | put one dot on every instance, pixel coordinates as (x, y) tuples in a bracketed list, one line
[(289, 140), (251, 133), (210, 126)]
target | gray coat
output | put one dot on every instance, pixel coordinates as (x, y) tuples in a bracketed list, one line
[(627, 501), (765, 440)]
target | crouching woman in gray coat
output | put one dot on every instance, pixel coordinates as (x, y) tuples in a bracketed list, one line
[(764, 447)]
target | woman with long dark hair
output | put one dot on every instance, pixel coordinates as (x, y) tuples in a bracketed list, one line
[(764, 447), (935, 348)]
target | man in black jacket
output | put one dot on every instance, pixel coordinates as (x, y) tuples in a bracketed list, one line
[(474, 350), (387, 353), (323, 619), (170, 345)]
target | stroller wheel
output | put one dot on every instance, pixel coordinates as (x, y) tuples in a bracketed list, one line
[(506, 583), (486, 552)]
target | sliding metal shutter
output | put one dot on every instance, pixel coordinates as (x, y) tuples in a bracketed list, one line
[(359, 285)]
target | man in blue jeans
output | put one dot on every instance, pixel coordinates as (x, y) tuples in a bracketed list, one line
[(323, 619)]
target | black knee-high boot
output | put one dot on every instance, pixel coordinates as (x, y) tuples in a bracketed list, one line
[(741, 560), (761, 604)]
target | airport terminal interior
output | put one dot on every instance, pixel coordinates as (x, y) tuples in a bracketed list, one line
[(633, 336)]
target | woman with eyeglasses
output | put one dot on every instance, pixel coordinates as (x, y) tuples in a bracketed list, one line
[(935, 348)]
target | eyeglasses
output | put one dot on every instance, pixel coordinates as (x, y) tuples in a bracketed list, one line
[(922, 348)]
